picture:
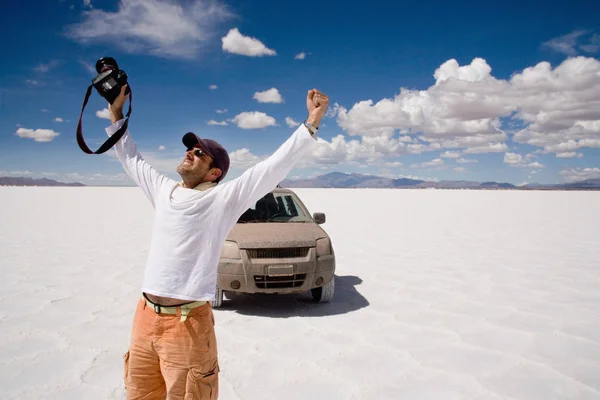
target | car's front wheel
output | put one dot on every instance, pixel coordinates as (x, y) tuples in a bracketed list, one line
[(324, 294), (218, 301)]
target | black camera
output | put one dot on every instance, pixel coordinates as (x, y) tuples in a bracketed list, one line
[(108, 83), (110, 79)]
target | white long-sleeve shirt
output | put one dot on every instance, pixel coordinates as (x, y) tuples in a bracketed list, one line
[(190, 226)]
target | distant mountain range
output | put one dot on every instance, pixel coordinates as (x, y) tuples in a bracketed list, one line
[(343, 180), (20, 181)]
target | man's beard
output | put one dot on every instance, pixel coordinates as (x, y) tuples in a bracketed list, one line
[(181, 170), (190, 174)]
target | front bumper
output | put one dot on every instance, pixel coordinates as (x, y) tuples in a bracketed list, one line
[(251, 275)]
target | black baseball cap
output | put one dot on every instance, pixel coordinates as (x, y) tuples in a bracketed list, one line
[(212, 148)]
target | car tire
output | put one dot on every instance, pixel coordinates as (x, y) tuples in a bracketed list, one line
[(324, 294), (218, 301)]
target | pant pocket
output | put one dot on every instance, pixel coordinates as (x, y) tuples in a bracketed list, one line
[(203, 382), (125, 368)]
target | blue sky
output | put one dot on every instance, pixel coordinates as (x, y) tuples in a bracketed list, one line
[(437, 90)]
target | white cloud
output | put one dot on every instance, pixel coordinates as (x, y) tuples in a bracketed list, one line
[(460, 169), (394, 164), (300, 56), (517, 160), (43, 68), (243, 159), (560, 105), (58, 119), (490, 148), (220, 123), (253, 120), (323, 155), (372, 150), (580, 174), (339, 151), (290, 122), (88, 67), (428, 164), (44, 110), (465, 107), (450, 154), (164, 162), (570, 154), (574, 42), (386, 173), (449, 110), (38, 135), (566, 43), (161, 148), (333, 110), (213, 87), (223, 111), (161, 28), (73, 176), (16, 173), (477, 71), (236, 43), (32, 82), (593, 46), (104, 179), (419, 178), (87, 3), (104, 114), (513, 159), (569, 145), (466, 161), (358, 153), (268, 96)]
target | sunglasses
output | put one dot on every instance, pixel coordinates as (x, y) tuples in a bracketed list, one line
[(199, 153)]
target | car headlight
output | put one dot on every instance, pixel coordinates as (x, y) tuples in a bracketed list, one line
[(231, 250), (323, 247)]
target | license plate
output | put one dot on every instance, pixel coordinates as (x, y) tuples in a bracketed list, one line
[(280, 270)]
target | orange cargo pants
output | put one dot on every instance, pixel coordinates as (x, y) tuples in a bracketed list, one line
[(172, 356)]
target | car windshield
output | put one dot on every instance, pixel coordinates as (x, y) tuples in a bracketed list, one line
[(275, 207)]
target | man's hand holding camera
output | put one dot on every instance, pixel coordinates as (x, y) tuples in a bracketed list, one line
[(116, 108)]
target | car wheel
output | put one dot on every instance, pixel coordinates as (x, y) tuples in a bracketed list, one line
[(324, 294), (218, 301)]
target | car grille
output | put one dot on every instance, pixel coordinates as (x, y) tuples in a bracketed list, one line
[(293, 252), (279, 282)]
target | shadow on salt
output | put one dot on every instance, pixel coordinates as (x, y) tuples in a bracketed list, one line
[(346, 299)]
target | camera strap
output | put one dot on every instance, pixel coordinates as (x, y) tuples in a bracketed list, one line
[(112, 140)]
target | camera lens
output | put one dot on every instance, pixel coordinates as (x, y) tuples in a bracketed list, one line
[(106, 63)]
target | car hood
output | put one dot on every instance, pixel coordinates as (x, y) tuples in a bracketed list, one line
[(272, 235)]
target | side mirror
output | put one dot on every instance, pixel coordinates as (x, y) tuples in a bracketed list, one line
[(319, 218)]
